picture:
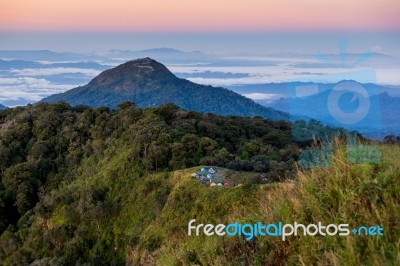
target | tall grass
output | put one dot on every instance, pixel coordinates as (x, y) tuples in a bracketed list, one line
[(355, 194), (362, 194)]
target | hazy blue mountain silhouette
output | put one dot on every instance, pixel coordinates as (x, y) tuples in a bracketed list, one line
[(382, 118), (148, 83)]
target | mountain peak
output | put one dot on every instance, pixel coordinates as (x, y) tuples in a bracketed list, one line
[(149, 83), (146, 61), (145, 65), (141, 71)]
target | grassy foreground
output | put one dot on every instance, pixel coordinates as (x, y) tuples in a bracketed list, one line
[(112, 215), (355, 194)]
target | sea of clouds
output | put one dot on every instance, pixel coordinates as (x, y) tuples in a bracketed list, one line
[(23, 85)]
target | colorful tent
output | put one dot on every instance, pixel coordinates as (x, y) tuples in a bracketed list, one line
[(211, 171), (205, 181), (204, 170)]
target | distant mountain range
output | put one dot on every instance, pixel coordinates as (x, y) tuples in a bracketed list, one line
[(167, 55), (23, 64), (379, 120), (278, 90), (2, 107), (149, 83), (40, 55)]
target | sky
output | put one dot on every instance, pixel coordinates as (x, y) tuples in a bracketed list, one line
[(255, 26), (199, 15)]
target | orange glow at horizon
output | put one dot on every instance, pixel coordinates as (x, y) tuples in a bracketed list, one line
[(196, 15)]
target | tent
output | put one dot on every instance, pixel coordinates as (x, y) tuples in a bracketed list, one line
[(211, 171), (205, 181), (209, 176), (198, 175), (204, 170), (219, 184), (212, 184)]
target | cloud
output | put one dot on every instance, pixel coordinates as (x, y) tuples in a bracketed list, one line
[(261, 96), (19, 91), (35, 72), (259, 75), (209, 74)]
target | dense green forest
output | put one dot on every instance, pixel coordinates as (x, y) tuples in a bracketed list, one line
[(67, 171)]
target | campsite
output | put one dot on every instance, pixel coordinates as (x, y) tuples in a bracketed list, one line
[(222, 177)]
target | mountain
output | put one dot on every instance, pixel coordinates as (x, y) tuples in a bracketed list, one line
[(18, 64), (380, 120), (389, 113), (162, 50), (285, 89), (149, 83), (2, 107), (23, 64), (42, 55)]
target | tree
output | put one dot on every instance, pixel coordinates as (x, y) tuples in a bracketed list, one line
[(126, 104), (20, 181), (390, 139)]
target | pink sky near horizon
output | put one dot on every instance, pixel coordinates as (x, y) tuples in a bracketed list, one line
[(199, 15)]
